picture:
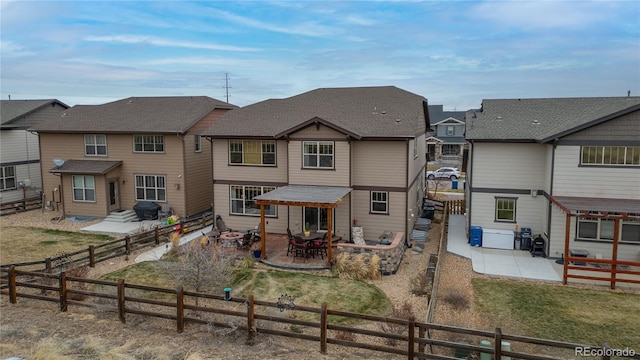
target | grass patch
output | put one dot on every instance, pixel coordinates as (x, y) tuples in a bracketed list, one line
[(560, 312), (29, 243)]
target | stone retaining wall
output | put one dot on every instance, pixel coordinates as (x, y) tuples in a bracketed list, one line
[(390, 255)]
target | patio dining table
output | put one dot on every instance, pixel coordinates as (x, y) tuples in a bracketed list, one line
[(311, 237)]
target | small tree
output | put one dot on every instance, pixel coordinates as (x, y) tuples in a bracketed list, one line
[(434, 185), (202, 268)]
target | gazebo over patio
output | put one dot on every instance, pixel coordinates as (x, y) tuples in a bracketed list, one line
[(302, 195)]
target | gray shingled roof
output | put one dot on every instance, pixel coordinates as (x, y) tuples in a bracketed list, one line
[(515, 119), (304, 194), (437, 114), (99, 167), (11, 110), (385, 111), (135, 114)]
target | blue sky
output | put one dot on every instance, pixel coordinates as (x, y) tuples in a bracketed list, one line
[(454, 53)]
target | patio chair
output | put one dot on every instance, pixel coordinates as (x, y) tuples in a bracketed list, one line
[(256, 233), (313, 228), (320, 246), (291, 241), (220, 225), (164, 213), (301, 248), (245, 242)]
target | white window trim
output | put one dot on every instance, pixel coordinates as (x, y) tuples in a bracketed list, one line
[(155, 143), (372, 201), (244, 206), (452, 128), (95, 145), (4, 178), (515, 209), (601, 161), (197, 143), (262, 143), (84, 188), (598, 222), (144, 187), (318, 155)]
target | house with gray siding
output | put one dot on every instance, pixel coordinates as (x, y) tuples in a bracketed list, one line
[(568, 168), (370, 140), (446, 145), (19, 151), (100, 159)]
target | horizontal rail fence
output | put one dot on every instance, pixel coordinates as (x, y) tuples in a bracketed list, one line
[(97, 253), (607, 270), (253, 316), (18, 206)]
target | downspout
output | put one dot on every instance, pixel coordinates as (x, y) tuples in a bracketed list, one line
[(213, 186), (469, 180), (184, 176), (549, 204), (406, 194), (350, 184)]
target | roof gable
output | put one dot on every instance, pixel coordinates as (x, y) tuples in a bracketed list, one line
[(361, 112), (135, 115), (449, 120), (542, 120), (13, 110)]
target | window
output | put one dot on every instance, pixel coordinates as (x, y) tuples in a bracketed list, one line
[(242, 200), (198, 143), (415, 148), (602, 229), (451, 130), (84, 188), (95, 145), (318, 217), (8, 178), (610, 155), (380, 202), (450, 149), (148, 143), (506, 209), (252, 152), (151, 188), (317, 154)]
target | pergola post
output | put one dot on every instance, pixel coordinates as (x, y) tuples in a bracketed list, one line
[(329, 231), (614, 254), (567, 232), (263, 234)]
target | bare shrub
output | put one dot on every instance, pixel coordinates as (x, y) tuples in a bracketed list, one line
[(456, 300), (345, 336), (79, 272), (398, 311), (421, 284), (357, 267), (374, 268)]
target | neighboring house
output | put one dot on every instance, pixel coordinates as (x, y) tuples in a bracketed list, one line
[(369, 140), (548, 163), (19, 151), (446, 145), (103, 158)]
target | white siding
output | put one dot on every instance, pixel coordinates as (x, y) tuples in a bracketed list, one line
[(529, 212), (509, 166), (599, 182), (375, 224), (21, 146)]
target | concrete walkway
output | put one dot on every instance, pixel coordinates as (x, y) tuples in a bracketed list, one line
[(157, 252), (510, 263)]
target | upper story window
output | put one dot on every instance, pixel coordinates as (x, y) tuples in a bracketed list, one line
[(8, 178), (84, 188), (252, 152), (242, 200), (151, 188), (148, 143), (198, 143), (610, 155), (603, 230), (380, 202), (95, 145), (506, 209), (451, 130), (317, 154)]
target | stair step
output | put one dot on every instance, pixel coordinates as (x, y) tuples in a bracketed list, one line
[(122, 216)]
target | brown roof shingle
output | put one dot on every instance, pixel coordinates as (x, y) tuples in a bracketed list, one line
[(384, 111), (135, 115)]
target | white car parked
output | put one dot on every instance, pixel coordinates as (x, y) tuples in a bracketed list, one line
[(444, 173)]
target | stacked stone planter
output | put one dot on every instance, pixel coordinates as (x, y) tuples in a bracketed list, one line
[(390, 255)]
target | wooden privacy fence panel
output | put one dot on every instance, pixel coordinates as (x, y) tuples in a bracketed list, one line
[(15, 207), (457, 207), (255, 316)]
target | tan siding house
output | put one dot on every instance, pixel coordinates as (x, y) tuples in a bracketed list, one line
[(19, 150), (357, 138), (535, 162), (101, 158)]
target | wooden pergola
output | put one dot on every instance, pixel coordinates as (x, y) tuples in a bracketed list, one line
[(597, 208), (301, 195)]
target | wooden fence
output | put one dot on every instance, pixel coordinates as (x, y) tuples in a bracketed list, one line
[(15, 207), (115, 248), (409, 337)]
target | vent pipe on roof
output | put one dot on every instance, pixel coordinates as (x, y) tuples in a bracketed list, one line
[(628, 94)]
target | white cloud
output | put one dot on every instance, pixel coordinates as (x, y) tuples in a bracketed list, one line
[(141, 39)]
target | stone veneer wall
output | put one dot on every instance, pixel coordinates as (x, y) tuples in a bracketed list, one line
[(390, 255)]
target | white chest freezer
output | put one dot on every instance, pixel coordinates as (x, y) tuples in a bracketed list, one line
[(497, 239)]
